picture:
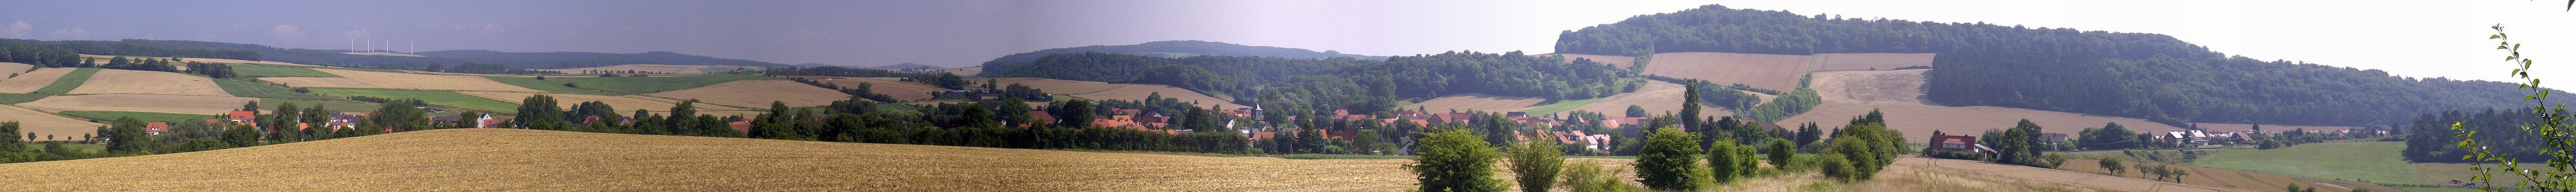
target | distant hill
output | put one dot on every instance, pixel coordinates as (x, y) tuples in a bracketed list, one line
[(602, 59), (813, 65), (1176, 49), (904, 66)]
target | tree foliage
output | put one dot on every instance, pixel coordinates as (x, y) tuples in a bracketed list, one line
[(1453, 159), (1535, 165), (1669, 160)]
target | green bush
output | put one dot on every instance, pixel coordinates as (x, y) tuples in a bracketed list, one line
[(1454, 160), (1837, 166), (1669, 161), (1781, 152), (1722, 160), (1536, 165), (1586, 177)]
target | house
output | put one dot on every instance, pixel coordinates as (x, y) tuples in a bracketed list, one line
[(743, 126), (1114, 121), (242, 116), (1960, 143), (155, 128), (2053, 139), (1042, 116)]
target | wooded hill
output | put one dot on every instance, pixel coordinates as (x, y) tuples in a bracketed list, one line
[(1364, 86), (2141, 75), (1177, 49)]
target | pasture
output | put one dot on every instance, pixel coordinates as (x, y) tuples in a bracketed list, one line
[(394, 80), (1766, 71), (1918, 121), (2365, 161), (900, 90), (622, 103), (245, 88), (1138, 92), (1657, 97), (451, 100), (624, 85), (68, 82), (2197, 176), (1476, 102)]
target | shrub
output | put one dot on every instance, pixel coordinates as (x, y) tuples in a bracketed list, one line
[(1587, 177), (1781, 151), (1722, 161), (1455, 160), (1536, 165), (1837, 166), (1669, 160)]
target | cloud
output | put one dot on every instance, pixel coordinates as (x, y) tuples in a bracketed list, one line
[(286, 32), (360, 34), (19, 30), (72, 33)]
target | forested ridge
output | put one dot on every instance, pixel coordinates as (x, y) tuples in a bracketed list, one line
[(219, 50), (2141, 75), (1365, 86)]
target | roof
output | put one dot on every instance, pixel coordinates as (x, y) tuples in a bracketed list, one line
[(242, 115)]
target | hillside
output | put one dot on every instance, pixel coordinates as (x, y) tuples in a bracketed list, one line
[(589, 58), (1182, 49), (2136, 75)]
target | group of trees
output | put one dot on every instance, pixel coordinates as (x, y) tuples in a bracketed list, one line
[(2431, 137), (996, 123), (138, 64), (1860, 150), (2148, 76), (1362, 86), (38, 55), (483, 68), (147, 48), (213, 70), (2022, 145)]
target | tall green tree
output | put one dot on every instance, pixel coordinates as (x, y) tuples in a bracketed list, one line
[(1669, 160), (541, 113), (1535, 165)]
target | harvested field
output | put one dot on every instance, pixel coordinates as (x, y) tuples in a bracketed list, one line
[(183, 60), (969, 71), (31, 81), (2223, 127), (1918, 121), (624, 103), (390, 80), (41, 123), (1054, 86), (1870, 87), (180, 104), (1614, 60), (1476, 102), (2057, 177), (644, 68), (900, 90), (2204, 176), (1766, 71), (15, 68), (508, 159), (1869, 61), (149, 82), (1138, 92), (1657, 97), (758, 94)]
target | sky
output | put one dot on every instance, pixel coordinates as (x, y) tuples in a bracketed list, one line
[(2420, 39)]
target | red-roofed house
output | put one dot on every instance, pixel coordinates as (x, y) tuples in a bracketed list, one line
[(242, 116), (743, 126), (155, 128), (1960, 143)]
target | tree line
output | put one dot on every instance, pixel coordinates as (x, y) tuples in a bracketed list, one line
[(2139, 75), (1362, 86), (146, 48)]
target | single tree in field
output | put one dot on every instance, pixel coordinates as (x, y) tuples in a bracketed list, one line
[(1636, 111), (1535, 165), (2113, 165), (1781, 152), (1452, 159)]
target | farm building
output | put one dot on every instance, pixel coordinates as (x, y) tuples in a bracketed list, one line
[(155, 128), (1960, 143), (241, 116)]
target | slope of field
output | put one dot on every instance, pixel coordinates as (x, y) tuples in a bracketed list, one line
[(1138, 92), (506, 159), (1766, 71), (68, 82), (103, 59), (1476, 102), (433, 97), (41, 123), (622, 103), (15, 68), (32, 80), (2250, 127), (642, 68), (2202, 176), (1054, 86), (900, 90), (1614, 60), (257, 70), (623, 85), (1657, 97), (180, 104), (1870, 87), (245, 88), (1918, 121), (149, 82), (2366, 161), (140, 116), (2051, 176), (1870, 61), (758, 94), (392, 80)]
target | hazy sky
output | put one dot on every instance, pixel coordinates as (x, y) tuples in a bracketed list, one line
[(2411, 39)]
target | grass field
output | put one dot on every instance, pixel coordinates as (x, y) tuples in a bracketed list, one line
[(439, 98), (69, 81), (180, 104), (2366, 161), (334, 105), (1559, 106), (1477, 102), (758, 94), (144, 116), (73, 146), (259, 70), (625, 85), (246, 88), (15, 98)]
